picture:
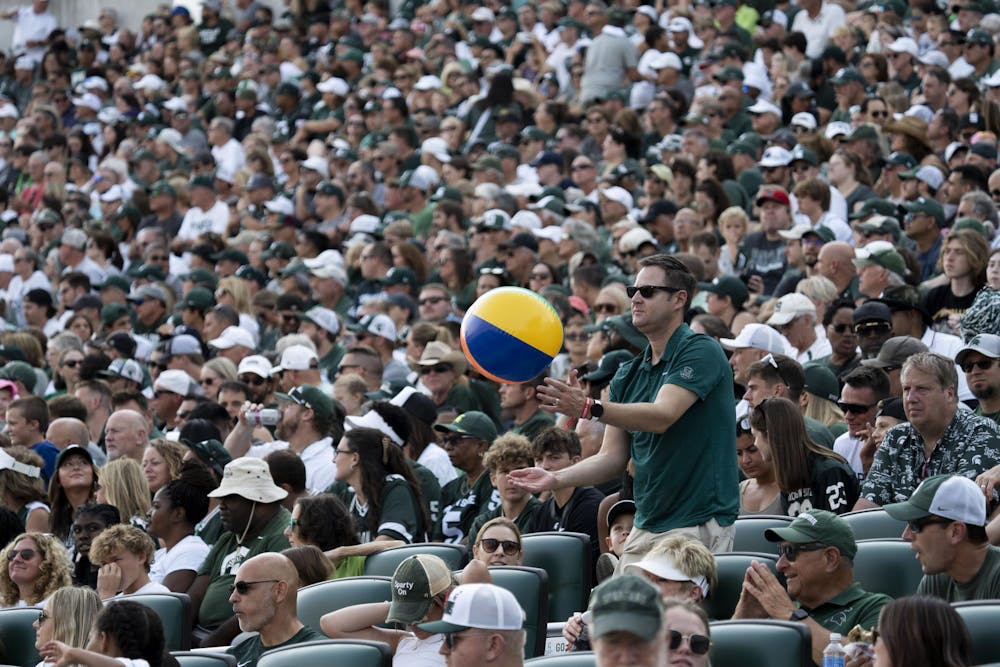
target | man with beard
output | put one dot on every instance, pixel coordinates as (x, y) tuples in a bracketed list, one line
[(307, 418), (254, 522), (978, 360)]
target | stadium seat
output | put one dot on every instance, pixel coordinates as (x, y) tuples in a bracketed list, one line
[(203, 659), (384, 563), (174, 609), (982, 618), (566, 559), (750, 532), (326, 596), (760, 643), (575, 659), (324, 653), (874, 524), (731, 569), (18, 636), (530, 586), (887, 566)]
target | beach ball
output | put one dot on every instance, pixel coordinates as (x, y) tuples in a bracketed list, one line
[(511, 334)]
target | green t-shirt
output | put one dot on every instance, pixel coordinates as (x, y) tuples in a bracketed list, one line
[(534, 425), (525, 521), (248, 652), (352, 566), (399, 516), (852, 606), (226, 557), (995, 416), (460, 505), (984, 586), (430, 490), (686, 475)]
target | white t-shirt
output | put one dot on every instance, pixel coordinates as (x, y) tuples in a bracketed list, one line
[(414, 652), (321, 472), (850, 448), (818, 30), (435, 459), (198, 221), (188, 554), (151, 587)]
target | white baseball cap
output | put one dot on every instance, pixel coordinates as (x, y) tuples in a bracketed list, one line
[(377, 325), (256, 364), (231, 337), (437, 148), (953, 497), (763, 106), (323, 318), (620, 195), (905, 45), (804, 119), (178, 382), (666, 60), (317, 164), (789, 307), (759, 336), (776, 156), (125, 368), (334, 85), (281, 206), (296, 358), (482, 606)]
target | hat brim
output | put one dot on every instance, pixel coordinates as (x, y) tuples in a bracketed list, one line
[(973, 348), (438, 627), (624, 621), (252, 492), (787, 534), (407, 613), (905, 511)]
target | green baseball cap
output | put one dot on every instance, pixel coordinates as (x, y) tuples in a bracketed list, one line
[(20, 371), (280, 250), (847, 75), (199, 298), (627, 603), (163, 188), (970, 223), (862, 132), (730, 73), (415, 584), (534, 133), (953, 497), (901, 159), (201, 277), (115, 280), (473, 423), (212, 454), (928, 206), (608, 366), (623, 325), (310, 397), (231, 255), (817, 526), (820, 381), (881, 253), (148, 272), (113, 312), (730, 286), (874, 206), (743, 147), (978, 36), (399, 275)]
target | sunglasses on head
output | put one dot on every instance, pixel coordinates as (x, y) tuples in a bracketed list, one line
[(243, 587), (700, 644), (791, 551), (647, 291), (489, 545), (26, 554), (982, 364)]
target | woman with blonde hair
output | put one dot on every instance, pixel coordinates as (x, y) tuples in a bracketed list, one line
[(214, 373), (161, 462), (122, 484), (21, 487), (611, 301), (820, 395), (67, 617), (37, 566), (233, 292)]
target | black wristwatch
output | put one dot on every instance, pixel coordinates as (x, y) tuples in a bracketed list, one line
[(799, 615), (596, 411)]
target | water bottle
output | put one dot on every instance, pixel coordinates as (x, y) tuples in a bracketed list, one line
[(833, 654)]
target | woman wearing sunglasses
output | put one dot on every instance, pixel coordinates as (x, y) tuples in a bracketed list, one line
[(499, 543), (690, 634), (67, 617), (37, 565), (809, 476)]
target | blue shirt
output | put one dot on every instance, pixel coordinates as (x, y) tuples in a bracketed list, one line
[(49, 454)]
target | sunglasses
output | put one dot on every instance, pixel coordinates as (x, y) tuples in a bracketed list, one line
[(42, 617), (918, 525), (431, 300), (489, 545), (854, 408), (608, 308), (451, 638), (540, 276), (292, 523), (255, 380), (440, 368), (879, 114), (700, 644), (26, 554), (647, 291), (791, 551), (982, 364), (577, 336), (457, 439), (73, 363), (243, 587)]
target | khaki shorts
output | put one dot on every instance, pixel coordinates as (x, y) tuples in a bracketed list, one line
[(718, 539)]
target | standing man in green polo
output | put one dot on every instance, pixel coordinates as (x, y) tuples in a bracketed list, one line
[(670, 411)]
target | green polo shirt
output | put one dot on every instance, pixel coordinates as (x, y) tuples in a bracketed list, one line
[(686, 475), (534, 425), (248, 652), (852, 606), (984, 586), (226, 557)]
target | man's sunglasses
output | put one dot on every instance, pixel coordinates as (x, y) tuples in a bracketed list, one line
[(243, 587), (647, 291), (982, 364), (918, 525), (791, 551), (854, 408), (510, 547), (700, 644)]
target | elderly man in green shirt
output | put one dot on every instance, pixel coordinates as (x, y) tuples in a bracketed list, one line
[(670, 411), (816, 551)]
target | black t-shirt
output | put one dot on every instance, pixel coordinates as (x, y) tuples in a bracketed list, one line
[(941, 303), (833, 486), (578, 515), (765, 258)]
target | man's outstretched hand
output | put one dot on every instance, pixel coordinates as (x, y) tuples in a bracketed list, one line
[(532, 479)]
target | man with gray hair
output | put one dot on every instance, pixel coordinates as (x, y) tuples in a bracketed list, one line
[(228, 153), (979, 205), (939, 438)]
